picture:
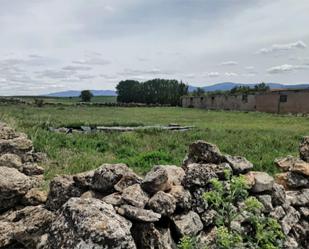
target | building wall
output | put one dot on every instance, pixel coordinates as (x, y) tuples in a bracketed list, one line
[(296, 101)]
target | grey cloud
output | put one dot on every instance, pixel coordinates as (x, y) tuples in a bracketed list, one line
[(54, 74), (282, 47), (229, 63), (76, 68), (287, 68)]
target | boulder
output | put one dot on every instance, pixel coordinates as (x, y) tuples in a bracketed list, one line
[(301, 168), (182, 196), (286, 163), (290, 219), (304, 149), (11, 160), (147, 236), (239, 164), (138, 214), (18, 145), (31, 169), (290, 243), (114, 199), (108, 175), (262, 181), (162, 203), (304, 211), (127, 181), (35, 196), (13, 186), (298, 198), (296, 180), (282, 179), (89, 223), (277, 213), (300, 232), (84, 180), (188, 224), (208, 217), (199, 175), (278, 195), (7, 132), (26, 227), (61, 189), (203, 152), (134, 195), (267, 203)]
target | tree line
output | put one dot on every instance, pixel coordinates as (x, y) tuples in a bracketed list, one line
[(156, 91)]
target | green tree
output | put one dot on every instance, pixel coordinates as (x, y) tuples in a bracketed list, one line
[(86, 95), (261, 87), (199, 92)]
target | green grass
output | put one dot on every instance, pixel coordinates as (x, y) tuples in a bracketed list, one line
[(259, 137)]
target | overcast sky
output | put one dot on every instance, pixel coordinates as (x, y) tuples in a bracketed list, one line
[(55, 45)]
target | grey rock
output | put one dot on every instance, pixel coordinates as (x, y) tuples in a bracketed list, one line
[(182, 196), (198, 203), (18, 145), (304, 211), (286, 163), (188, 224), (267, 203), (296, 180), (262, 182), (290, 243), (114, 199), (34, 196), (25, 226), (162, 203), (300, 232), (134, 195), (61, 189), (205, 153), (84, 179), (6, 132), (208, 217), (31, 169), (105, 177), (127, 181), (11, 160), (239, 164), (291, 219), (199, 175), (147, 236), (298, 198), (138, 214), (278, 195), (89, 223), (13, 186), (304, 149), (278, 213)]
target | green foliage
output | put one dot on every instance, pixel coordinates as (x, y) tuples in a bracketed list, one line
[(156, 91), (86, 95), (187, 242), (227, 239), (198, 92), (38, 102)]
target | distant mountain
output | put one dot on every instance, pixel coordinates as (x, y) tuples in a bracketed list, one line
[(73, 93), (226, 86)]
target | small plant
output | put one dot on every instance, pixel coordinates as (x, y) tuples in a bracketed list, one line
[(38, 102), (188, 243)]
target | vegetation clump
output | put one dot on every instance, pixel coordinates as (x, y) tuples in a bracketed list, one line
[(86, 95)]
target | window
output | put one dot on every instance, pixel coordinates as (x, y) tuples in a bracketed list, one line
[(202, 98), (245, 98), (283, 98)]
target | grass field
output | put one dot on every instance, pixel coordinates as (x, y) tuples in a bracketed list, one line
[(257, 136)]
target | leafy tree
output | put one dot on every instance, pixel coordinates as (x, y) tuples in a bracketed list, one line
[(86, 95), (261, 87), (199, 92)]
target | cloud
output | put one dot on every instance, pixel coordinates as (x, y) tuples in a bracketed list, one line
[(286, 68), (54, 74), (249, 68), (76, 68), (282, 47), (213, 74), (229, 63), (92, 61), (230, 74)]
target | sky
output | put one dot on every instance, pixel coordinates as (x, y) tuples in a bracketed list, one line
[(54, 45)]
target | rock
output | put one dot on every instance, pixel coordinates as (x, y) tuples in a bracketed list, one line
[(89, 223), (84, 180), (35, 196), (39, 157), (207, 239), (203, 152), (278, 213), (89, 194), (18, 145), (182, 196), (31, 169), (286, 163), (208, 217), (199, 175), (162, 203), (127, 181), (300, 232), (114, 199), (175, 174), (239, 164), (138, 214), (61, 189), (267, 203), (108, 175), (147, 236), (301, 168), (156, 180), (188, 224), (134, 195), (304, 149), (282, 179), (25, 226), (198, 203), (11, 160), (304, 211), (6, 132), (278, 195), (290, 219), (262, 181), (290, 243), (13, 186), (295, 180), (298, 198)]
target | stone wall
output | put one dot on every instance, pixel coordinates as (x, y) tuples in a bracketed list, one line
[(112, 207)]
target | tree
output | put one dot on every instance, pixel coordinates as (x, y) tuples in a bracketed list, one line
[(86, 95), (198, 92), (261, 87)]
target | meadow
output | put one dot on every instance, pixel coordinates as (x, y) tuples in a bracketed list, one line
[(260, 137)]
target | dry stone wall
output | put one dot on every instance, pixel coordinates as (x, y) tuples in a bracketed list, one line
[(111, 207)]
